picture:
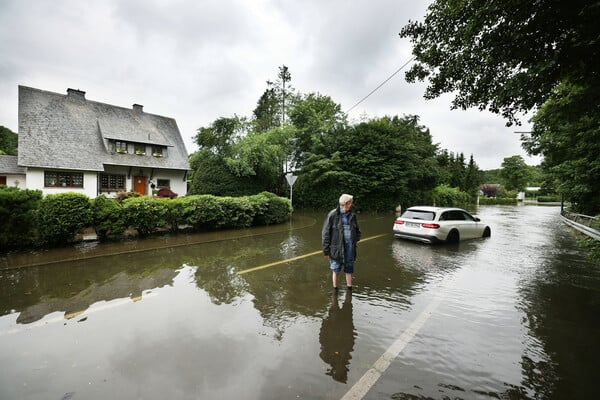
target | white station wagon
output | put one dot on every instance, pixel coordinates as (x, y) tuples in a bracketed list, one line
[(436, 224)]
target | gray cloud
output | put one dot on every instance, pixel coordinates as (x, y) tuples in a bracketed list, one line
[(197, 61)]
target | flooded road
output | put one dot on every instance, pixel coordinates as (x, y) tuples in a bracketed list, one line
[(250, 315)]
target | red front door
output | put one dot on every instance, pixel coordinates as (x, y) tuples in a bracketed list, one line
[(139, 185)]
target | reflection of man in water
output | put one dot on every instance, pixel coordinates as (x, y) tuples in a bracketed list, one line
[(337, 338)]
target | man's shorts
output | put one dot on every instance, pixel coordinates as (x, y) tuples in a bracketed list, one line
[(336, 266)]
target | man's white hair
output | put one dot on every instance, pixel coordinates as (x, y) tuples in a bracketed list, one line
[(345, 198)]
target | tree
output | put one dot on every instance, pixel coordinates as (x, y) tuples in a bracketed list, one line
[(221, 135), (8, 141), (570, 142), (383, 162), (472, 179), (267, 114), (313, 115), (504, 56), (517, 56), (514, 173)]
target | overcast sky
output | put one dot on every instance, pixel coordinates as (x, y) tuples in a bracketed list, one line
[(196, 61)]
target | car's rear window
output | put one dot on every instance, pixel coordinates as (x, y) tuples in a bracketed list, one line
[(418, 214)]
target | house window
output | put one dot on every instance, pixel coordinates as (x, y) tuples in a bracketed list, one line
[(110, 182), (163, 183), (140, 149), (120, 147), (157, 151), (63, 179)]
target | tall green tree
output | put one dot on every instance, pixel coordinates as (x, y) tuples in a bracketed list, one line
[(384, 162), (517, 56), (515, 173), (267, 114), (8, 141), (504, 56), (569, 139), (313, 115), (472, 179)]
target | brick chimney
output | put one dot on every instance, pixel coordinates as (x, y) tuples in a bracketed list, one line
[(138, 107), (76, 94)]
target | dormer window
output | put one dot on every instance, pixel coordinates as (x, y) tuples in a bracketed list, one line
[(157, 151), (120, 147), (140, 149)]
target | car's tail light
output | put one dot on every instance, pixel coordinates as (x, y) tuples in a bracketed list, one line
[(431, 226), (399, 222)]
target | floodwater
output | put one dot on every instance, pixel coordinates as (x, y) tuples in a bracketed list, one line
[(250, 315)]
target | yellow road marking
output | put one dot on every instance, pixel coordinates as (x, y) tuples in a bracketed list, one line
[(314, 253)]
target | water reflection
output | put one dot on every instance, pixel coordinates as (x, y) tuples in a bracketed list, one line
[(73, 287), (337, 337)]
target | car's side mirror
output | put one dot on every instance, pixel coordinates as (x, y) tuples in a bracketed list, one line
[(476, 219)]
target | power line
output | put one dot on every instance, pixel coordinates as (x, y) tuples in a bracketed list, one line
[(380, 85)]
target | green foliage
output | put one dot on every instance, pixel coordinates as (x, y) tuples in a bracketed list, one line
[(8, 141), (497, 200), (567, 132), (203, 212), (238, 212), (221, 135), (382, 162), (215, 177), (517, 58), (108, 217), (446, 196), (146, 214), (62, 215), (175, 213), (515, 173), (122, 196), (506, 58), (592, 246), (18, 215), (278, 209), (548, 199)]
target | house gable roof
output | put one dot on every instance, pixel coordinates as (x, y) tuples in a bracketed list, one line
[(8, 165), (70, 132)]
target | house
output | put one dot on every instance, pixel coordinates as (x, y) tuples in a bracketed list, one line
[(70, 143), (10, 172)]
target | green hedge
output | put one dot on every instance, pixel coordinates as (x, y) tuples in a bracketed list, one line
[(18, 210), (108, 217), (62, 215), (548, 199), (56, 219), (497, 200)]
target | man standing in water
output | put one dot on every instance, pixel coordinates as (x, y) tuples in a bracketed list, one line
[(339, 237)]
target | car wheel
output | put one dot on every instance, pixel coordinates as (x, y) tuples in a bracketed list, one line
[(487, 232), (453, 236)]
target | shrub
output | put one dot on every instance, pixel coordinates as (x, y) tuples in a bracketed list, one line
[(492, 201), (278, 210), (145, 214), (175, 211), (548, 199), (203, 212), (238, 212), (108, 217), (122, 196), (18, 210), (62, 215), (446, 196)]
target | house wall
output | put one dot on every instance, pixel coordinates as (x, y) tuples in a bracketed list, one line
[(15, 180), (35, 180)]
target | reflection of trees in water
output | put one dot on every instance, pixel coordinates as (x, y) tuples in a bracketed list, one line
[(337, 337), (560, 302)]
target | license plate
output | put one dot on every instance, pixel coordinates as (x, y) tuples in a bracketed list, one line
[(413, 225)]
